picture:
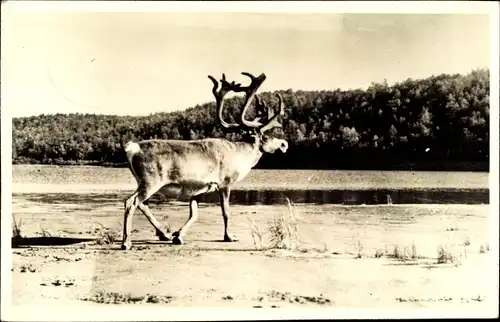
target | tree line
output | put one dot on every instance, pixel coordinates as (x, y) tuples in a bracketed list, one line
[(437, 123)]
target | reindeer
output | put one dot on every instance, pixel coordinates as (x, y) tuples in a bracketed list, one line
[(196, 167)]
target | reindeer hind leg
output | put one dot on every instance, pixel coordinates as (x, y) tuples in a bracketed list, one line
[(145, 192), (161, 233), (136, 200), (130, 204)]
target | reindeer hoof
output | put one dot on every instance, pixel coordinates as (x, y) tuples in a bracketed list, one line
[(177, 240), (126, 246), (230, 239), (162, 236)]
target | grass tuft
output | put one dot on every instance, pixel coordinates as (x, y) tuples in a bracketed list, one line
[(444, 255), (405, 253), (466, 244), (379, 253), (484, 248), (16, 232), (359, 249), (256, 234), (16, 228), (106, 236), (283, 231), (45, 233), (277, 228), (414, 253)]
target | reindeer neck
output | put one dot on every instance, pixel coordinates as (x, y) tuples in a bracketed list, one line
[(256, 148), (252, 145)]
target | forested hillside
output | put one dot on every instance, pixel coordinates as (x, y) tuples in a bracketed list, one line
[(437, 123)]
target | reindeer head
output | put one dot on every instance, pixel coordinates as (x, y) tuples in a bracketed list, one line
[(265, 119)]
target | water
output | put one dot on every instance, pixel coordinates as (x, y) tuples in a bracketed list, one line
[(357, 197), (57, 184), (270, 197)]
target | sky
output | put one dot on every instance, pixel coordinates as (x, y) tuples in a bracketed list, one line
[(137, 63)]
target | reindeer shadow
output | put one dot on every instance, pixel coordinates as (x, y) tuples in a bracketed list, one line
[(150, 242), (22, 242)]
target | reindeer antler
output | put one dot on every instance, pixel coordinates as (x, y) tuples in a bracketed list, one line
[(261, 109), (250, 94), (273, 119), (219, 99)]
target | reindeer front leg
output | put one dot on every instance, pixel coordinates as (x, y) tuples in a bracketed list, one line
[(224, 203), (193, 216)]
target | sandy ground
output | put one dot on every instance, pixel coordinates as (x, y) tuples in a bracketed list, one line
[(345, 258)]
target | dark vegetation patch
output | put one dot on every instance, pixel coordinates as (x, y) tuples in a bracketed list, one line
[(477, 298), (117, 298), (59, 282), (412, 299), (28, 268), (297, 299)]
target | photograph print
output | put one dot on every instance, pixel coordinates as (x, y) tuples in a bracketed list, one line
[(279, 159)]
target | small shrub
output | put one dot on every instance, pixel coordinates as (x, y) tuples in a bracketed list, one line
[(277, 228), (153, 299), (400, 254), (379, 253), (444, 255), (16, 228), (284, 230), (106, 237), (16, 232), (359, 249), (484, 248), (414, 253), (45, 233), (405, 253), (466, 244)]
